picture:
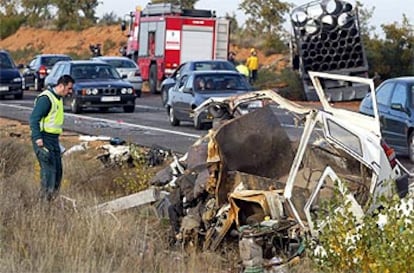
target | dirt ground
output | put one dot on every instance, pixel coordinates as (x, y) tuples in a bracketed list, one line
[(110, 37)]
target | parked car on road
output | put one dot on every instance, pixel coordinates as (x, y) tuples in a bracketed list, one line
[(97, 84), (126, 68), (188, 67), (11, 81), (39, 67), (194, 88), (395, 101)]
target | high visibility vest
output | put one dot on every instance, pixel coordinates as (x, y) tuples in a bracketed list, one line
[(243, 69), (53, 122)]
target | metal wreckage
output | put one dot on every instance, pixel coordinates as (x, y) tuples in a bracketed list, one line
[(248, 181)]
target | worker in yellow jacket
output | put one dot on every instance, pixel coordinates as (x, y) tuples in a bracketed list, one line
[(253, 64)]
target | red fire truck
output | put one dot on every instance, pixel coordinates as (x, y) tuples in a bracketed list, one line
[(161, 36)]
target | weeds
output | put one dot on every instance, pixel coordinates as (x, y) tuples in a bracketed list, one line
[(53, 237), (371, 245)]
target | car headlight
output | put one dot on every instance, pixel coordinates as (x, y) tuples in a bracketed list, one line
[(123, 90), (17, 79), (88, 91), (130, 90), (94, 91)]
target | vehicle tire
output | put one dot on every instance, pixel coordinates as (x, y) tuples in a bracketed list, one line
[(129, 108), (171, 116), (37, 85), (153, 79), (411, 147), (18, 96), (164, 95), (75, 107), (198, 124)]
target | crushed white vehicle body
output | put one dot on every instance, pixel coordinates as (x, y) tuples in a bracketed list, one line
[(250, 182), (336, 146)]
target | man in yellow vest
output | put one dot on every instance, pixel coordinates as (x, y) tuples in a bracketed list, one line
[(253, 64), (46, 124)]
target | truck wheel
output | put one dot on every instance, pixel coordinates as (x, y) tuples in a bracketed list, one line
[(171, 116), (153, 79), (75, 107), (164, 95), (411, 147)]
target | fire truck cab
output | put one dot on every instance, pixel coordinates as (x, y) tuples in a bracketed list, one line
[(162, 36)]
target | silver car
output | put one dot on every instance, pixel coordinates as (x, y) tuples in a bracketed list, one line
[(127, 68)]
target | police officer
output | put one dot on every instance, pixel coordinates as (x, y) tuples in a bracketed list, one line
[(46, 122)]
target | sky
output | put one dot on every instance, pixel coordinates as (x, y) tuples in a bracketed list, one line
[(386, 11)]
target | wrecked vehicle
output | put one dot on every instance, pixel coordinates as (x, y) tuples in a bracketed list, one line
[(250, 181)]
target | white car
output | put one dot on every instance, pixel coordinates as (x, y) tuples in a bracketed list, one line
[(127, 68)]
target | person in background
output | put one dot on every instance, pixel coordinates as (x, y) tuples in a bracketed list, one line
[(46, 124), (232, 58), (253, 64)]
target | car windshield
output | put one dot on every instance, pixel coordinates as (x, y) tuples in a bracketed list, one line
[(118, 63), (51, 60), (94, 71), (220, 82), (213, 66), (5, 61)]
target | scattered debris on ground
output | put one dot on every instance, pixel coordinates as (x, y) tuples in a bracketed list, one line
[(247, 182)]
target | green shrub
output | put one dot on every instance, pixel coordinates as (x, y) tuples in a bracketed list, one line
[(348, 245), (135, 175), (10, 24), (294, 89), (25, 54)]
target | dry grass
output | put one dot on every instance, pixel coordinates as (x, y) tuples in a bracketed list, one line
[(43, 237)]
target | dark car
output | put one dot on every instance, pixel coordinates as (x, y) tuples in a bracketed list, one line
[(194, 88), (188, 67), (39, 67), (11, 81), (395, 100), (97, 84)]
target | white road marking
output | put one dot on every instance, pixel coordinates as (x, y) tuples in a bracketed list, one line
[(156, 129)]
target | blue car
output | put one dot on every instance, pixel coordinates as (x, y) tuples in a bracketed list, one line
[(194, 88), (395, 100), (11, 81), (188, 67), (97, 85)]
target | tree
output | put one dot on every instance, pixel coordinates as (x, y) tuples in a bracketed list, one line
[(364, 15), (398, 48), (10, 17), (234, 25), (76, 15), (187, 4), (265, 19), (37, 12)]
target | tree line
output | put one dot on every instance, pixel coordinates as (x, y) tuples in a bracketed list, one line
[(389, 55)]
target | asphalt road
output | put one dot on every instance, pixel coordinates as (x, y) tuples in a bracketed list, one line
[(147, 126)]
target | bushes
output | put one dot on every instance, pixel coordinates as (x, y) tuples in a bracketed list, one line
[(371, 245), (10, 24)]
